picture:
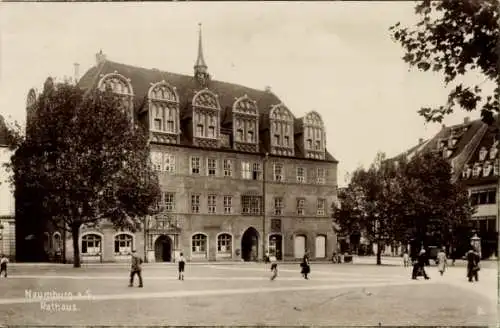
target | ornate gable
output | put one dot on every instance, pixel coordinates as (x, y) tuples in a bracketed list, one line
[(164, 114), (245, 124), (121, 86), (314, 136), (206, 119), (281, 131)]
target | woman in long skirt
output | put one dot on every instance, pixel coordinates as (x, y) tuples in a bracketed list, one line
[(441, 259), (306, 269)]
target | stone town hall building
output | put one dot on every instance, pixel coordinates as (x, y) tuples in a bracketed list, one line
[(235, 167)]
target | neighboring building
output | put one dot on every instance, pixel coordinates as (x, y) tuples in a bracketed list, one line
[(235, 167), (472, 150), (7, 222)]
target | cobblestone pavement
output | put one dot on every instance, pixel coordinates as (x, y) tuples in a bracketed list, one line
[(242, 294)]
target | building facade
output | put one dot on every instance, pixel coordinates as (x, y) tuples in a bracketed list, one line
[(7, 207), (240, 175), (472, 149)]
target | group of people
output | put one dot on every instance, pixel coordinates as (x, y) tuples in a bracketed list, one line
[(305, 267), (472, 257), (136, 268)]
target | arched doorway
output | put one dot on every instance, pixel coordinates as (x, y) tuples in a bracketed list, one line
[(299, 246), (250, 245), (275, 246), (163, 249)]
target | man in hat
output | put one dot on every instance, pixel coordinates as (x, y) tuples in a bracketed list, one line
[(419, 266), (135, 269)]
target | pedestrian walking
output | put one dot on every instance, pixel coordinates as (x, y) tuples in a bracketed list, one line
[(419, 266), (136, 269), (306, 269), (406, 259), (182, 264), (3, 265), (473, 268), (442, 261), (274, 267)]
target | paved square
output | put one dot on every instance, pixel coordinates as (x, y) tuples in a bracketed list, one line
[(242, 294)]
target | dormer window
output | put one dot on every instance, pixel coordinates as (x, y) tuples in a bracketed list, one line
[(121, 87), (487, 169), (281, 122), (246, 120), (494, 150), (206, 110), (477, 170), (315, 143), (482, 154)]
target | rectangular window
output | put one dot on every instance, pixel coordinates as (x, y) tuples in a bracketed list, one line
[(211, 132), (170, 126), (278, 172), (239, 135), (195, 165), (156, 159), (228, 167), (169, 163), (228, 204), (256, 171), (251, 205), (277, 139), (309, 144), (483, 197), (301, 175), (157, 124), (245, 170), (169, 201), (278, 205), (321, 207), (320, 175), (301, 206), (286, 141), (212, 204), (318, 145), (200, 131), (212, 167), (195, 203), (250, 136)]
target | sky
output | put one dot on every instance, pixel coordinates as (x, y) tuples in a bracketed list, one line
[(333, 57)]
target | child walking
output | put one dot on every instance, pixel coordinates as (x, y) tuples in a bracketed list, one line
[(182, 264), (274, 267), (3, 265)]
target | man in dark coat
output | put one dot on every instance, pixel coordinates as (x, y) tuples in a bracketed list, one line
[(473, 259), (135, 269), (419, 266)]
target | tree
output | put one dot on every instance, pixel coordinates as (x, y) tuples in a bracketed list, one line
[(455, 37), (435, 205), (370, 204), (82, 161)]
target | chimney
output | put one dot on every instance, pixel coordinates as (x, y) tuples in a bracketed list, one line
[(420, 141), (100, 58), (77, 72), (466, 120), (267, 88)]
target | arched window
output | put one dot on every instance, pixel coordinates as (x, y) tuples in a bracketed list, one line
[(199, 245), (91, 244), (224, 244), (123, 243), (56, 241)]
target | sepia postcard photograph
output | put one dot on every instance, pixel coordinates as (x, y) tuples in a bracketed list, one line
[(249, 163)]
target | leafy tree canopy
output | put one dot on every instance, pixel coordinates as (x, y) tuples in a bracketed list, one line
[(82, 161), (455, 37)]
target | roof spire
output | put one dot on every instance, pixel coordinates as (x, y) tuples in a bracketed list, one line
[(200, 65)]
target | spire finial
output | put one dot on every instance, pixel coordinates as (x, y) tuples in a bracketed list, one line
[(200, 65)]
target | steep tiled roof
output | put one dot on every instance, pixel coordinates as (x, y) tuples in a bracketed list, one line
[(186, 87)]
